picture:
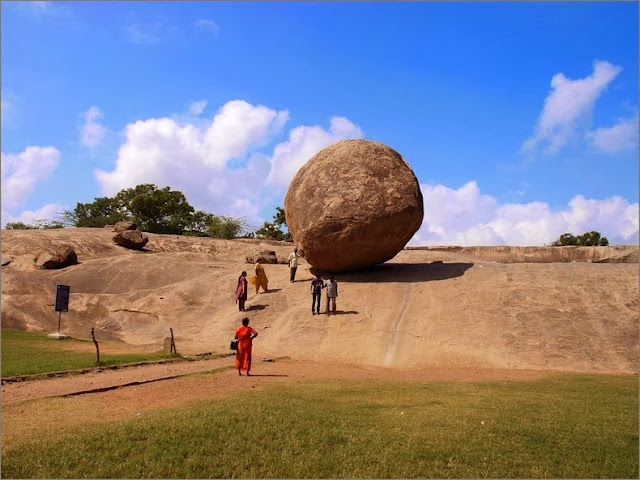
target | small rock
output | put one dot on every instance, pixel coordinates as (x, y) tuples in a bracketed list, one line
[(125, 225), (133, 239), (61, 257)]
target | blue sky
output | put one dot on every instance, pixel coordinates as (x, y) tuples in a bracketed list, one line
[(520, 120)]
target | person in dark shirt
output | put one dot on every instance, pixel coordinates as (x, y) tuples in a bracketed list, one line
[(316, 290)]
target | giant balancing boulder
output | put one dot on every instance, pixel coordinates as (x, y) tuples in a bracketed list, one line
[(354, 204)]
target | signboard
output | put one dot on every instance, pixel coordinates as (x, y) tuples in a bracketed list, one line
[(62, 298)]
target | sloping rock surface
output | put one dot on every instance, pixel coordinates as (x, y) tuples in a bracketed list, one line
[(354, 204), (448, 307)]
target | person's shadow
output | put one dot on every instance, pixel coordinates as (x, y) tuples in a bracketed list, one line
[(252, 308), (271, 290)]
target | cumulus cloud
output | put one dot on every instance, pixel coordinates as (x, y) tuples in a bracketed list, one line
[(303, 143), (21, 172), (225, 165), (568, 107), (51, 211), (206, 25), (467, 217), (623, 136), (91, 131)]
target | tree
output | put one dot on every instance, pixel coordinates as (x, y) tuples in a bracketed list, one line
[(588, 239), (159, 210), (43, 224), (273, 230), (101, 212), (226, 227), (154, 210), (19, 226)]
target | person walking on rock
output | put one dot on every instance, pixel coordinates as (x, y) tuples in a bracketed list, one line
[(260, 278), (332, 294), (293, 264), (241, 291), (245, 335), (316, 290)]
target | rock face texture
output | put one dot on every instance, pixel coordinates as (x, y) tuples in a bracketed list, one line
[(133, 239), (61, 257), (354, 204)]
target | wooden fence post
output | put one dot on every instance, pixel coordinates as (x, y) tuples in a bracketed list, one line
[(173, 343), (96, 343)]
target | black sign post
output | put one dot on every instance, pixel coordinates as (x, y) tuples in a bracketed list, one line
[(62, 301)]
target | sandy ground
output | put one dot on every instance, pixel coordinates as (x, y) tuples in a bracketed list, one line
[(58, 404)]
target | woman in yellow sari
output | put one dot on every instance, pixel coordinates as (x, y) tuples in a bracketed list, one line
[(260, 278)]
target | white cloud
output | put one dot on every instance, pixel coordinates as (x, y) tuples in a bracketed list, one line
[(21, 173), (196, 108), (303, 143), (467, 217), (568, 107), (622, 136), (91, 131), (207, 26), (150, 33), (223, 165), (51, 211), (195, 159)]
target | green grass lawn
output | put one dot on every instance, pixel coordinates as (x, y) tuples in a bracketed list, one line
[(563, 426), (25, 353)]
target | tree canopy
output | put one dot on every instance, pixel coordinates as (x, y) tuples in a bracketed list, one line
[(587, 239), (154, 210), (273, 230)]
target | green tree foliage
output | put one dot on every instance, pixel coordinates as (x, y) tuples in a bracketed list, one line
[(38, 225), (19, 226), (273, 230), (226, 227), (588, 239), (159, 210), (154, 210), (101, 212)]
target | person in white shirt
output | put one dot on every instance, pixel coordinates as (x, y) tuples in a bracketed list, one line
[(332, 293), (293, 264)]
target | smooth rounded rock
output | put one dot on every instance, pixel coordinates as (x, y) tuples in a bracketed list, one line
[(354, 204)]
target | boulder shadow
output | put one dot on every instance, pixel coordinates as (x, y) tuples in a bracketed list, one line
[(254, 308), (406, 272)]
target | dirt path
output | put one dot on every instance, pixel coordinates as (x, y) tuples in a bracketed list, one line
[(54, 406), (102, 380)]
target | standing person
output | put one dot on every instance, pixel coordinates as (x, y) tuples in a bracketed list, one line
[(316, 290), (261, 277), (245, 335), (293, 264), (332, 294), (241, 291)]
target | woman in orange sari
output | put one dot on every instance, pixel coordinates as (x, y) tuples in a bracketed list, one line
[(245, 335)]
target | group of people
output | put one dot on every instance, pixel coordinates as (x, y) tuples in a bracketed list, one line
[(246, 334), (259, 280)]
